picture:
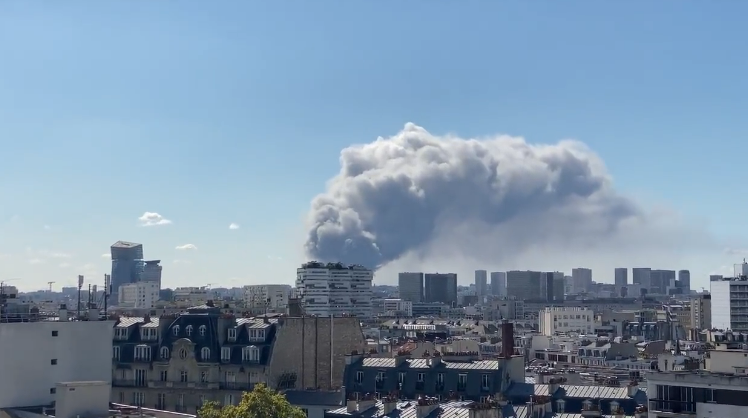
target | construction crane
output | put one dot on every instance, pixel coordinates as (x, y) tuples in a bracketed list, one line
[(50, 286)]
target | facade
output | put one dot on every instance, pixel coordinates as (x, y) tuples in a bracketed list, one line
[(660, 281), (498, 283), (558, 320), (127, 264), (641, 276), (684, 281), (621, 276), (730, 303), (581, 279), (335, 289), (152, 272), (440, 287), (523, 284), (410, 286), (138, 295), (481, 283), (398, 307), (192, 295), (264, 298), (61, 351), (701, 312), (178, 362)]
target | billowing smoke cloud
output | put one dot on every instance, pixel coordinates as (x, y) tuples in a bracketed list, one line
[(416, 193)]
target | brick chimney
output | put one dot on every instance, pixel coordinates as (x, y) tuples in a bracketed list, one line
[(507, 339), (632, 388), (389, 404), (425, 406)]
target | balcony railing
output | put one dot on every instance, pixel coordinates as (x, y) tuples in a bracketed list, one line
[(676, 407), (128, 383), (236, 386)]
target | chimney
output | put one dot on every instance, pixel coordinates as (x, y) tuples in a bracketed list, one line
[(484, 410), (554, 384), (436, 359), (540, 406), (425, 406), (389, 403), (352, 358), (507, 339), (400, 357), (366, 401), (146, 319), (633, 388)]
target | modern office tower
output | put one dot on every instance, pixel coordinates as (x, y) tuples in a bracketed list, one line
[(546, 286), (559, 288), (621, 277), (660, 281), (440, 287), (581, 280), (127, 265), (641, 276), (152, 272), (523, 284), (334, 289), (481, 283), (684, 281), (729, 308), (410, 286), (498, 283)]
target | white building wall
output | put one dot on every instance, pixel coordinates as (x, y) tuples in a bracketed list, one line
[(139, 295), (554, 320), (720, 292), (194, 295), (82, 350), (398, 305), (272, 296), (335, 292)]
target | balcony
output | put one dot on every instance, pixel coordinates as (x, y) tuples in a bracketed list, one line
[(236, 386), (180, 408), (675, 407), (128, 383)]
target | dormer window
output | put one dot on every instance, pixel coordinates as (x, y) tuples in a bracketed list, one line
[(148, 333), (257, 335), (175, 330), (188, 330), (251, 354), (142, 353), (232, 334), (202, 330), (205, 354), (120, 333), (560, 405), (164, 353), (225, 354)]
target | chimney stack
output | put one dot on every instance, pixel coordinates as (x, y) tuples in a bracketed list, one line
[(507, 339)]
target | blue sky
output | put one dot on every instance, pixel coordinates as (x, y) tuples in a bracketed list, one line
[(210, 113)]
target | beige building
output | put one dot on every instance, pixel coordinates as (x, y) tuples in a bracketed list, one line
[(180, 361), (701, 312)]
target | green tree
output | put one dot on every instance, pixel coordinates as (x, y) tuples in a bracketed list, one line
[(262, 402)]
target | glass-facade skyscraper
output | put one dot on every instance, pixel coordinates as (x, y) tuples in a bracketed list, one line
[(127, 265)]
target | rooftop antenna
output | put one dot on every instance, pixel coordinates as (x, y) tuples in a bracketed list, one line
[(80, 286), (50, 286)]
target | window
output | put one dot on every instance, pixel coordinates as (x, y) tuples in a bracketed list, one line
[(225, 353), (164, 375), (359, 377), (183, 376), (175, 330), (138, 398), (161, 401), (205, 353), (203, 399), (120, 333), (202, 330), (485, 382), (228, 399), (122, 397), (251, 353), (420, 377), (183, 353), (142, 353), (164, 353), (401, 378), (52, 391), (203, 377), (115, 353), (232, 334), (560, 405), (54, 333), (180, 400), (462, 381), (53, 361), (188, 330)]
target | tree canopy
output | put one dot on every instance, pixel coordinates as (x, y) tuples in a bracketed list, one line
[(262, 402)]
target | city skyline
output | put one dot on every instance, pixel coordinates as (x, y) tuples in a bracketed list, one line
[(261, 143)]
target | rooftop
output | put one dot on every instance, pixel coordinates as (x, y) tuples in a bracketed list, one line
[(125, 244)]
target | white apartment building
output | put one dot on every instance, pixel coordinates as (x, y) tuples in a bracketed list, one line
[(557, 320), (138, 295), (730, 303), (267, 297), (37, 356), (193, 295), (394, 307), (334, 289)]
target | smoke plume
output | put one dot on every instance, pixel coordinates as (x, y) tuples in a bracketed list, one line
[(419, 194)]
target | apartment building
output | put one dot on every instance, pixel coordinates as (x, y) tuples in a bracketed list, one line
[(335, 289), (177, 362), (729, 303), (139, 295), (263, 298), (562, 320)]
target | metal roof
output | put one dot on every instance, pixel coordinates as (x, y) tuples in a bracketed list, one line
[(424, 364)]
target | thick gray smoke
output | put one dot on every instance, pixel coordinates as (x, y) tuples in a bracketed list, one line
[(401, 195)]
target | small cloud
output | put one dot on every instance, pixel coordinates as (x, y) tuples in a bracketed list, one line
[(64, 265), (36, 261), (54, 254), (153, 219), (106, 255), (274, 258), (234, 226), (182, 262), (187, 247)]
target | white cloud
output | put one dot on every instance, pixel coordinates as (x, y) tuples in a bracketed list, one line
[(274, 258), (64, 265), (54, 254), (36, 261), (106, 255), (234, 226), (186, 247), (153, 219)]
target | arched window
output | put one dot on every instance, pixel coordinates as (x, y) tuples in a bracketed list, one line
[(202, 330), (205, 353), (175, 329), (188, 330), (164, 353), (183, 353)]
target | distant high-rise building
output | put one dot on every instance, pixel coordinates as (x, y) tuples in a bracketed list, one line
[(481, 283), (127, 265), (684, 281), (715, 277), (660, 281), (410, 286), (152, 272), (334, 289), (581, 280), (551, 286), (498, 283), (523, 285), (440, 287), (621, 277), (641, 276)]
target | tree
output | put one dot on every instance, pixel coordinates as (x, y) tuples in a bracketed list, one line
[(262, 402)]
